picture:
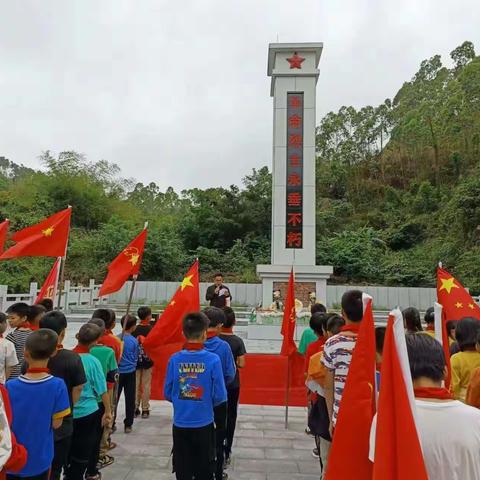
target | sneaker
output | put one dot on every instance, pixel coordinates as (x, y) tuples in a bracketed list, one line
[(145, 413), (105, 461), (128, 429), (137, 412), (224, 476), (315, 453), (98, 476)]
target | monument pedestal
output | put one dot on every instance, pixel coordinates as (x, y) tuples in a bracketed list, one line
[(293, 68), (313, 277)]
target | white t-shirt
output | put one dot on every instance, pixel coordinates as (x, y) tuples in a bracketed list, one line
[(8, 357)]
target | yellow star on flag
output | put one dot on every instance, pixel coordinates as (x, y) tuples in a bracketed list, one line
[(134, 259), (48, 231), (471, 306), (459, 305), (172, 303), (186, 282), (448, 284)]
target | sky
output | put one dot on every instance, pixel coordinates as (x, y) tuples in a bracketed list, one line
[(176, 92)]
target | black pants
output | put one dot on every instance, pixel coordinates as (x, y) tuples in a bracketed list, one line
[(128, 382), (83, 445), (41, 476), (194, 452), (60, 458), (232, 410), (220, 416), (93, 460)]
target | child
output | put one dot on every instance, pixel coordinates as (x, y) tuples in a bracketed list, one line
[(127, 368), (68, 366), (233, 390), (473, 390), (108, 338), (449, 431), (221, 348), (308, 336), (85, 412), (17, 316), (35, 314), (47, 303), (8, 356), (430, 321), (465, 362), (338, 352), (39, 405), (194, 384), (106, 357), (411, 320), (144, 364), (318, 324)]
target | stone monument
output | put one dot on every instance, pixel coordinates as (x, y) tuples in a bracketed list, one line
[(293, 68)]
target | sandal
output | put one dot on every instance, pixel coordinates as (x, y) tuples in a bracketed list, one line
[(111, 445), (98, 476), (105, 461)]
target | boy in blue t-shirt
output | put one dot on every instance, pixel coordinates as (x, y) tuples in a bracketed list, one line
[(194, 384), (127, 369), (86, 414), (39, 404), (216, 345)]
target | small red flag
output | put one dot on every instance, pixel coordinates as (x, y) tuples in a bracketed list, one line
[(49, 288), (48, 238), (398, 454), (289, 319), (3, 233), (126, 264), (168, 328), (350, 447)]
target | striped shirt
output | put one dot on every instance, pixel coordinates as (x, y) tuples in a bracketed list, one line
[(337, 355), (18, 338)]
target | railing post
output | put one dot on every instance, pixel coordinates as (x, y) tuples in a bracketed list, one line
[(3, 297), (33, 291), (91, 286), (66, 293)]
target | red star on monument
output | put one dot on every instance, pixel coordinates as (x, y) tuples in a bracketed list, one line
[(295, 61)]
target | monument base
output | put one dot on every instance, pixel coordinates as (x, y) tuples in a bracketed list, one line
[(311, 275)]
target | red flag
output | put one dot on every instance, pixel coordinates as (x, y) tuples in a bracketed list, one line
[(49, 288), (398, 453), (289, 319), (349, 454), (168, 328), (126, 264), (48, 238), (3, 233)]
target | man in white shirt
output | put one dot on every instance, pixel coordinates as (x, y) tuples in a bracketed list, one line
[(449, 430)]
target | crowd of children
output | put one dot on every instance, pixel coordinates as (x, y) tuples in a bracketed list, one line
[(58, 405)]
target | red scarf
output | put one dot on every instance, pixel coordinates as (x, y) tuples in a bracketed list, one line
[(227, 330), (433, 392), (81, 349), (38, 370), (60, 347), (32, 327), (145, 323), (108, 332), (351, 327), (211, 334), (430, 328), (192, 347)]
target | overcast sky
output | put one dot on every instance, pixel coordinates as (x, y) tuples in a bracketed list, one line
[(176, 92)]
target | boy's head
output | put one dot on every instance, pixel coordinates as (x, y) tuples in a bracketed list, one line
[(317, 308), (40, 345), (466, 333), (411, 320), (451, 329), (352, 306), (216, 317), (17, 314), (99, 323), (318, 323), (379, 340), (430, 316), (88, 335), (106, 316), (195, 326), (229, 320), (47, 303), (3, 323), (334, 324), (218, 279), (144, 313), (55, 321), (426, 358), (35, 314), (129, 323)]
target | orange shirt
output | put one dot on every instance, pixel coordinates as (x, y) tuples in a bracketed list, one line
[(312, 349), (473, 390)]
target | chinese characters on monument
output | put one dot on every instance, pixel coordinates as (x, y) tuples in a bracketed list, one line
[(294, 220)]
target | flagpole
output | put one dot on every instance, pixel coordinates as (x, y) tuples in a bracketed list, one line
[(62, 268), (130, 298)]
